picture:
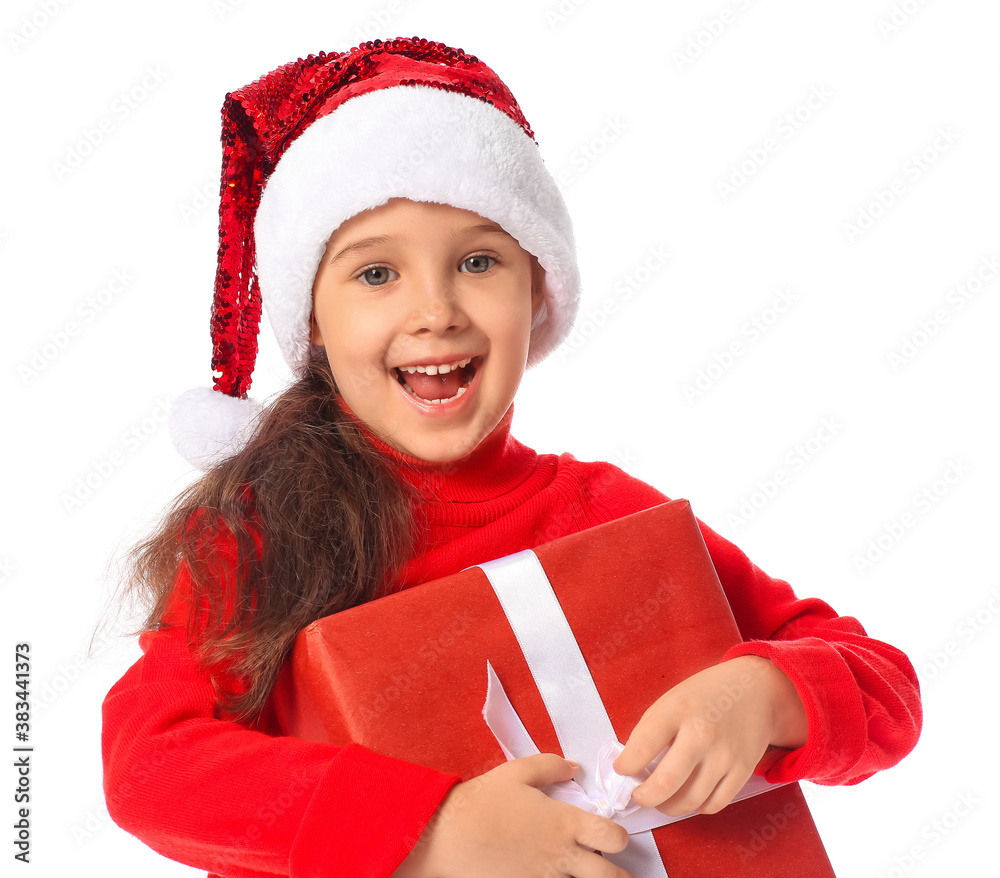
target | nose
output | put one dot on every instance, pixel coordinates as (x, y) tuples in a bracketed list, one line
[(435, 306)]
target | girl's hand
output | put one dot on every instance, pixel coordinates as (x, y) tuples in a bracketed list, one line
[(499, 824), (718, 723)]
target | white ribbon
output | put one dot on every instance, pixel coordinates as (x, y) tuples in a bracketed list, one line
[(577, 712)]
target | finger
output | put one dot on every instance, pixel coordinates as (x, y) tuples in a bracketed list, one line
[(541, 769), (679, 763), (693, 793), (725, 791), (601, 834), (654, 731), (712, 785), (714, 770), (588, 865)]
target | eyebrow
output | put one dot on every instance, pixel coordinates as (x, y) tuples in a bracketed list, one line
[(375, 240)]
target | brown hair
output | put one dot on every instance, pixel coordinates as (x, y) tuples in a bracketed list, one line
[(334, 522)]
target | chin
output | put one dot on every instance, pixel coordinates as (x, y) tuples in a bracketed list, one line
[(445, 450), (439, 454)]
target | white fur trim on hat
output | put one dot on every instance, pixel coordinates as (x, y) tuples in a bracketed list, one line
[(207, 426), (421, 143)]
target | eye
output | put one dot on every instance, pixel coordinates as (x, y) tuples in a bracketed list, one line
[(376, 275), (478, 263)]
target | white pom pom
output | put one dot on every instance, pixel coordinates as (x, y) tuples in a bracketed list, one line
[(207, 426)]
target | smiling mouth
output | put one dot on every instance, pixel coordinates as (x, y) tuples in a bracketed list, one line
[(439, 382)]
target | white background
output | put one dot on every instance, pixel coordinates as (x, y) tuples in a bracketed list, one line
[(644, 141)]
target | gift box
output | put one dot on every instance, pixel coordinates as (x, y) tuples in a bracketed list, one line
[(583, 633)]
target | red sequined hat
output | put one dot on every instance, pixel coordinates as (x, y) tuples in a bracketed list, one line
[(305, 148)]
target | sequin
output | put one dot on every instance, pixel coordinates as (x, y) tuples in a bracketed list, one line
[(259, 122)]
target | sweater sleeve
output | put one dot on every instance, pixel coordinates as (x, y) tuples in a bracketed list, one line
[(861, 696), (225, 797)]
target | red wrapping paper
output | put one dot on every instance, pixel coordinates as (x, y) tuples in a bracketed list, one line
[(405, 675)]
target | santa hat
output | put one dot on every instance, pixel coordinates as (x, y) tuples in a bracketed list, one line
[(321, 139)]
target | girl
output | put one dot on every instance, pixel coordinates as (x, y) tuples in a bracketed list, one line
[(415, 255)]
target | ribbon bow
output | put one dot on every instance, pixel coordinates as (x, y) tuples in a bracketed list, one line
[(613, 796)]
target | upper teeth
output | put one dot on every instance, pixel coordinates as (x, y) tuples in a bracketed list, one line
[(443, 368)]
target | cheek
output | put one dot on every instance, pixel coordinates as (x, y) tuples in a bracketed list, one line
[(356, 363), (357, 376), (351, 333), (514, 327), (510, 345)]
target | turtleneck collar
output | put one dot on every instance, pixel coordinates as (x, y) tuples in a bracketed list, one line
[(478, 487)]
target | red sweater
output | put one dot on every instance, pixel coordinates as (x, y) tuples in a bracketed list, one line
[(244, 800)]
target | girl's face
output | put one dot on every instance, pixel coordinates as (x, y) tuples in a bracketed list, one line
[(425, 311)]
